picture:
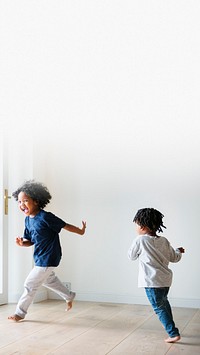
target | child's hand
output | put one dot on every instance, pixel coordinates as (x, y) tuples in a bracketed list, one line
[(182, 250), (83, 228), (19, 241)]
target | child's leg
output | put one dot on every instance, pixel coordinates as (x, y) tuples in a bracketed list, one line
[(161, 306), (54, 284), (31, 285)]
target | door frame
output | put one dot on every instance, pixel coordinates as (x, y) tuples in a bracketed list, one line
[(3, 223)]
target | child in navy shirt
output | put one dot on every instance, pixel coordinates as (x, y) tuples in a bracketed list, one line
[(41, 230)]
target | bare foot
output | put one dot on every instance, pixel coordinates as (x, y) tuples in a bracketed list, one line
[(15, 317), (69, 303), (173, 340), (69, 306)]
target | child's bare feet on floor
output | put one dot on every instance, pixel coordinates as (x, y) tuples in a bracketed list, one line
[(69, 303), (173, 340), (69, 306), (15, 317)]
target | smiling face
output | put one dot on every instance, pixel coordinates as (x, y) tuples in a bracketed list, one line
[(27, 205)]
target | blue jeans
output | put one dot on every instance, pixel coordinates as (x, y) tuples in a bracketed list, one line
[(158, 299)]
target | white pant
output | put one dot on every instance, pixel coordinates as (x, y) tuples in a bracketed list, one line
[(41, 276)]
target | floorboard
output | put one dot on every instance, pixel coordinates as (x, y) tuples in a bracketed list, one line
[(91, 328)]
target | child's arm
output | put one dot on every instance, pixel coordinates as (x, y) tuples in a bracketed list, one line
[(175, 255), (23, 243), (74, 229)]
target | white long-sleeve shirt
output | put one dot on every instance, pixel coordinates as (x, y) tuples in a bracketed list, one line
[(154, 254)]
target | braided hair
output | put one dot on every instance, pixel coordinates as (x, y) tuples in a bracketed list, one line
[(150, 218), (35, 190)]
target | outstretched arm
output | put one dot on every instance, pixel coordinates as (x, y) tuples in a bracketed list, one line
[(74, 229)]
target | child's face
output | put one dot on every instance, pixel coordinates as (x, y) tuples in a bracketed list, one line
[(27, 205), (140, 230), (144, 230)]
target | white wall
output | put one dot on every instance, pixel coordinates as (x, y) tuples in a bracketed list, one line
[(109, 93)]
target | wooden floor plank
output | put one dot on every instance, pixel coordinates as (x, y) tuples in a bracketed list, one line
[(109, 332), (92, 328)]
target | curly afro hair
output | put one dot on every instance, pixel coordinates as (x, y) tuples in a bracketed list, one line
[(150, 218), (35, 190)]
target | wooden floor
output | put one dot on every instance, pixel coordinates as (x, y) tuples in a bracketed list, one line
[(96, 329)]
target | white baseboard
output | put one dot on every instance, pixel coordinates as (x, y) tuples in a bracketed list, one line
[(128, 299), (44, 294), (53, 296), (184, 302), (40, 296)]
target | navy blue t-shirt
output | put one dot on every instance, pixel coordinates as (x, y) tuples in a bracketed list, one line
[(43, 231)]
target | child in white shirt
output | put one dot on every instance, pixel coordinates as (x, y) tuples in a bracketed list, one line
[(154, 253)]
